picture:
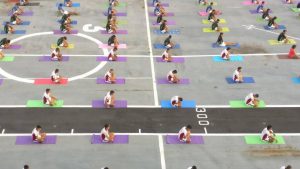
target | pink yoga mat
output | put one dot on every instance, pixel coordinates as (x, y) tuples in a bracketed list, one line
[(169, 22), (118, 104), (173, 139), (48, 81), (165, 81), (118, 81), (58, 32), (174, 60), (119, 139), (120, 46), (104, 58), (203, 13)]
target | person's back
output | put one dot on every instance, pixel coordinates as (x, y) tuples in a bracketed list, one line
[(167, 41)]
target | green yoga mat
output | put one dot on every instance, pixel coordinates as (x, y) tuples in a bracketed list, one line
[(208, 30), (241, 104), (121, 5), (275, 42), (205, 21), (39, 103), (295, 9), (7, 59), (259, 19), (257, 140)]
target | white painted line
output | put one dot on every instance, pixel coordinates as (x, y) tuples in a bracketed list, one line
[(91, 78), (162, 152), (3, 131), (205, 130), (155, 95), (72, 131)]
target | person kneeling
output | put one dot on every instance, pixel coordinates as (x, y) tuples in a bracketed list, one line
[(110, 76), (163, 27), (166, 56), (268, 135), (172, 77), (37, 134), (237, 75), (106, 136), (56, 55), (176, 101), (48, 99), (225, 54), (55, 77), (184, 134), (112, 56), (109, 99), (62, 42), (8, 28), (252, 100), (215, 26)]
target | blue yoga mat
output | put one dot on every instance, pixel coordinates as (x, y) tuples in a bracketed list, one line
[(245, 80), (72, 22), (16, 32), (296, 80), (23, 23), (232, 59), (162, 46), (171, 32), (215, 45), (184, 104), (73, 5), (279, 27)]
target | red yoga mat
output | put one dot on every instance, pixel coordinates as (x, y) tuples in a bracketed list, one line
[(48, 81)]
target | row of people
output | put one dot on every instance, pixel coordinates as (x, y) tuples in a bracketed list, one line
[(14, 19), (111, 24)]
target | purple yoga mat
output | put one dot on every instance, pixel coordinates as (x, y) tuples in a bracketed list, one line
[(117, 14), (1, 81), (173, 139), (26, 13), (168, 14), (27, 140), (165, 81), (14, 47), (174, 60), (118, 81), (48, 59), (168, 23), (58, 32), (118, 104), (104, 58), (119, 139), (118, 32)]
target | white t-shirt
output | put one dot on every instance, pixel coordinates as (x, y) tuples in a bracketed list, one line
[(265, 132), (236, 75), (249, 99), (105, 133), (55, 54), (48, 97), (182, 131), (224, 54), (54, 75), (107, 98), (166, 55), (170, 76), (36, 133), (175, 99), (107, 76)]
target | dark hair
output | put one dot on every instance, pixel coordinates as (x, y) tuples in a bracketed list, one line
[(65, 38), (115, 49), (105, 168), (269, 127), (189, 126), (38, 127), (47, 90), (26, 166), (288, 167), (294, 46), (239, 68), (106, 126), (174, 71), (221, 33), (256, 95), (170, 36), (56, 70), (284, 31), (194, 167), (111, 92), (60, 4), (180, 99), (228, 48), (57, 49)]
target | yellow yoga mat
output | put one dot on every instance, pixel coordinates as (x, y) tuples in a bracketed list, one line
[(275, 42), (208, 30), (205, 21), (70, 46)]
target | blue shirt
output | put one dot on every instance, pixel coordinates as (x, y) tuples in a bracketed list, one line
[(156, 9), (209, 8), (60, 7), (15, 8), (259, 8)]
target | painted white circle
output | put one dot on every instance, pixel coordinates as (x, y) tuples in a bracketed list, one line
[(97, 68)]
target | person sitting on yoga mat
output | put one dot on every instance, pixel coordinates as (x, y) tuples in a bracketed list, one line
[(268, 135), (56, 54), (192, 167), (24, 2), (55, 77), (154, 2), (260, 8), (5, 43), (48, 99), (1, 54), (212, 16), (109, 99), (176, 101), (215, 26), (172, 77), (255, 1), (113, 41), (282, 37), (15, 20), (167, 42), (106, 136), (109, 76), (62, 11), (112, 56), (8, 28), (209, 8), (272, 24), (25, 167), (110, 27), (159, 19), (252, 100), (184, 134), (68, 3), (17, 10), (164, 27), (204, 2), (166, 56), (62, 42), (220, 41), (114, 2), (66, 19), (225, 54), (65, 28), (237, 75), (159, 9), (38, 135), (286, 167), (266, 14), (289, 1), (292, 53)]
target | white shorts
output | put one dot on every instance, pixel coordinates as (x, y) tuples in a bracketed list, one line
[(222, 44), (14, 22), (216, 28), (64, 31), (54, 58), (168, 46), (211, 20), (163, 31)]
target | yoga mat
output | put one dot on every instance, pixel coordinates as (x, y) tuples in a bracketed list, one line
[(245, 80), (259, 19), (24, 23), (118, 32), (254, 11), (118, 81), (173, 139), (58, 32), (74, 4), (48, 59), (275, 42), (171, 32), (14, 46), (31, 4), (232, 59), (184, 104), (242, 104), (208, 30), (39, 103), (117, 14), (203, 13), (162, 46), (257, 140), (248, 3), (284, 2), (104, 58), (72, 22), (215, 45), (205, 21), (165, 81), (279, 27), (168, 14), (70, 46), (25, 13), (7, 59), (169, 22), (105, 46), (295, 9), (1, 81), (27, 140), (16, 32), (121, 4), (174, 60), (119, 139), (162, 4), (48, 81), (296, 80), (118, 104)]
